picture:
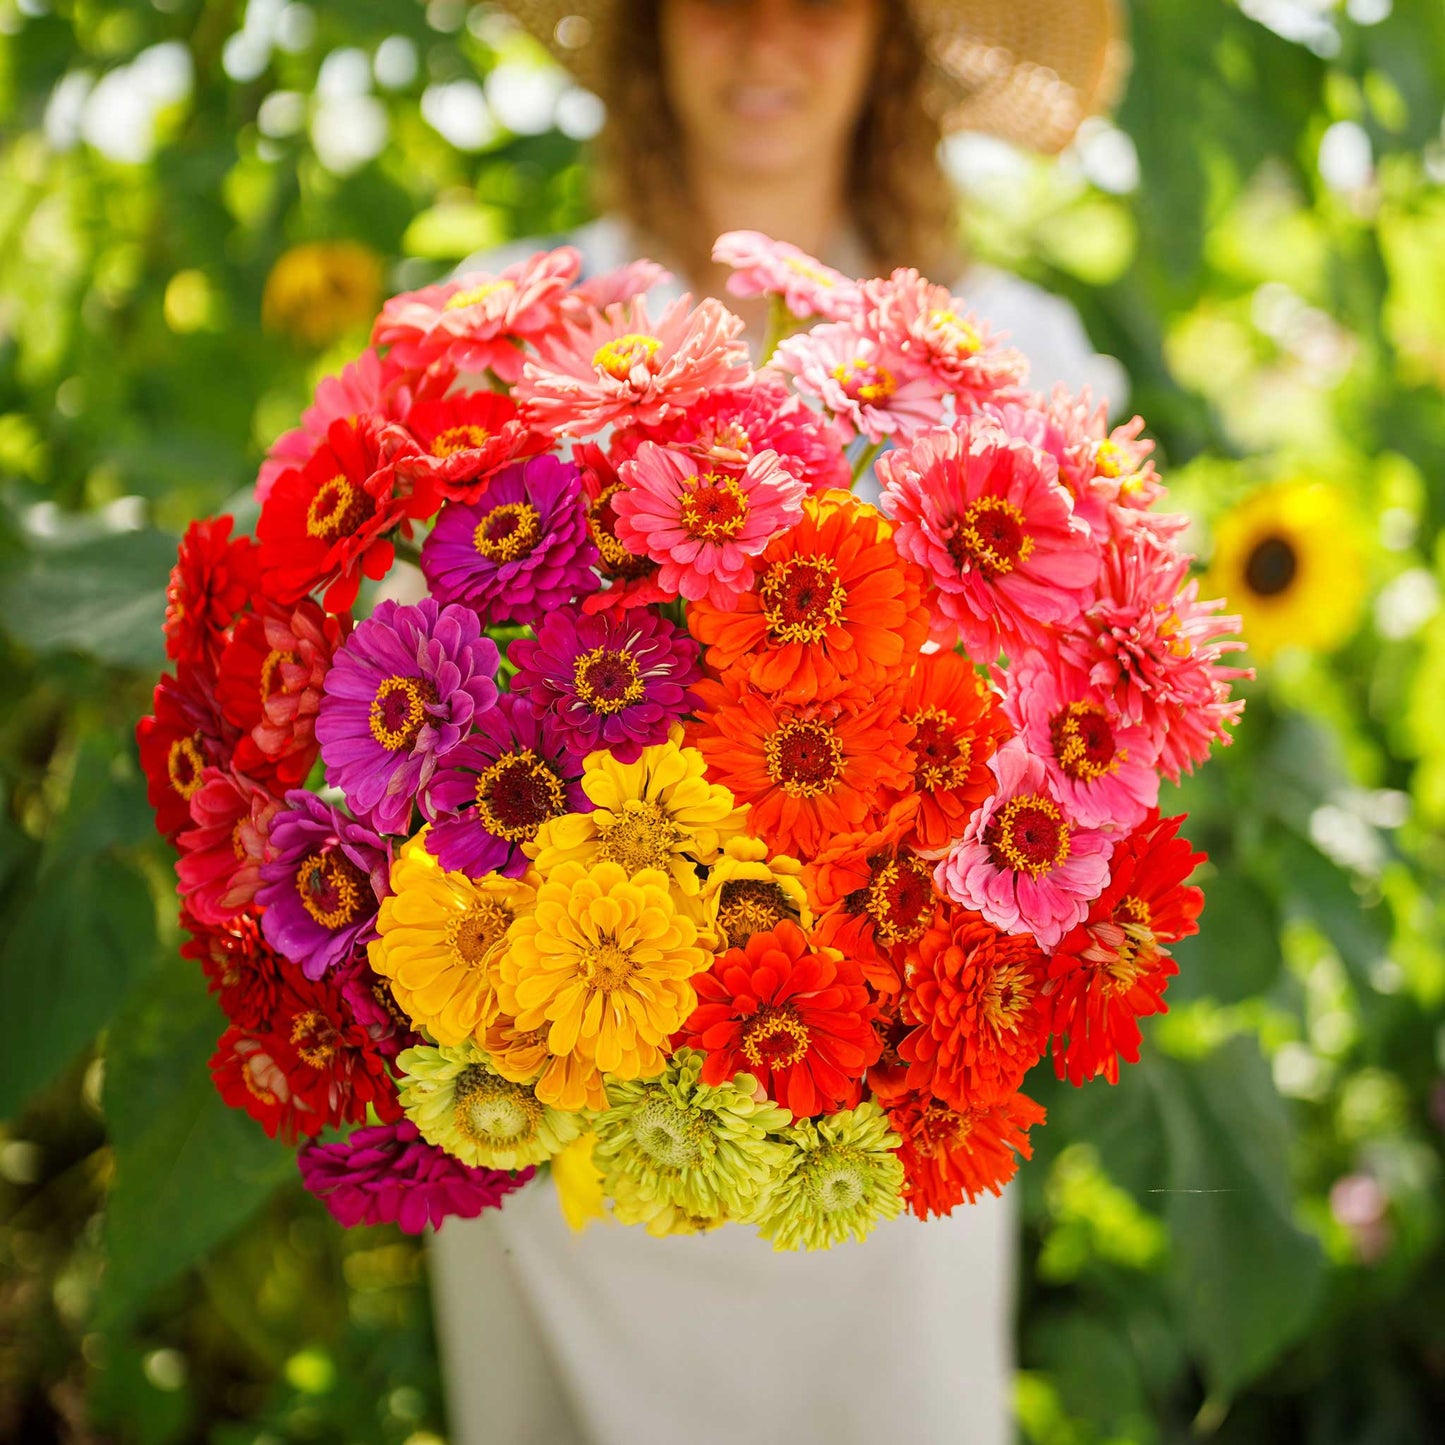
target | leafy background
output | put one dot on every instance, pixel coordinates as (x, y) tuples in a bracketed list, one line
[(1242, 1240)]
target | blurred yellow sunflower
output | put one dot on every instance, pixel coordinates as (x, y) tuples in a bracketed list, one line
[(319, 291), (1290, 561)]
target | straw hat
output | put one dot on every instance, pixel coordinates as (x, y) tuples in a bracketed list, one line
[(1026, 70)]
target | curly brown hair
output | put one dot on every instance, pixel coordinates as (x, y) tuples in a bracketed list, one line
[(898, 197)]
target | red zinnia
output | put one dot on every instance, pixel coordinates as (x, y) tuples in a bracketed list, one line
[(1112, 969), (215, 576), (178, 742), (949, 1156), (797, 1018), (976, 997), (631, 581), (241, 968), (325, 524), (462, 441)]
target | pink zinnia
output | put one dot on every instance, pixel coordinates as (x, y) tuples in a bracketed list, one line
[(1023, 862), (704, 524), (622, 284), (870, 385), (765, 267), (480, 322), (219, 868), (938, 332), (984, 515), (1156, 651), (1101, 767), (619, 369)]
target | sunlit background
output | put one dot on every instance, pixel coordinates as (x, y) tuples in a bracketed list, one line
[(202, 203)]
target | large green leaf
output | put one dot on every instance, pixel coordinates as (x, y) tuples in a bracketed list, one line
[(1247, 1278), (188, 1169)]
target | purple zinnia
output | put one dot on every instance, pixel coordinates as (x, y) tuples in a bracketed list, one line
[(493, 792), (520, 551), (387, 1174), (323, 883), (615, 680), (402, 692)]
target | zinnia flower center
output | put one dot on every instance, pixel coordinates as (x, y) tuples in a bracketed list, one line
[(863, 381), (834, 1179), (1130, 950), (951, 333), (606, 964), (184, 765), (331, 887), (399, 709), (1083, 741), (1271, 566), (337, 510), (991, 537), (801, 599), (475, 294), (272, 664), (1029, 835), (750, 905), (493, 1110), (314, 1038), (804, 758), (517, 794), (1109, 459), (803, 268), (471, 936), (671, 1136), (940, 1128), (714, 507), (1133, 909), (619, 356), (454, 439), (941, 754), (1006, 997), (900, 899), (607, 679), (641, 836), (775, 1039), (508, 532), (602, 528)]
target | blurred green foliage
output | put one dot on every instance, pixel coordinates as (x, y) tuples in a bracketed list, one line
[(1241, 1240)]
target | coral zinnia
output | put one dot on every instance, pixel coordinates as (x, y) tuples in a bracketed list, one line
[(949, 1156), (219, 867), (492, 792), (1113, 968), (762, 266), (680, 1146), (795, 1016), (215, 576), (807, 772), (704, 522), (985, 517), (748, 891), (461, 1104), (439, 936), (975, 996), (840, 1177), (402, 692), (1025, 862), (605, 958), (521, 551), (615, 680), (387, 1174), (463, 441), (958, 724)]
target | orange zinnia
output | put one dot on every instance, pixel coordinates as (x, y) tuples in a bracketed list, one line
[(809, 771), (835, 608), (959, 724)]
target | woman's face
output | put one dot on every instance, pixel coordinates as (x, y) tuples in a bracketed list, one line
[(767, 87)]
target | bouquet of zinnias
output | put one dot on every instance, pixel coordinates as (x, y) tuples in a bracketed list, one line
[(677, 819)]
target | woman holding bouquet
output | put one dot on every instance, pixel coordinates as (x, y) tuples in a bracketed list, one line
[(816, 122)]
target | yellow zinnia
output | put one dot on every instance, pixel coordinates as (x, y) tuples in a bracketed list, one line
[(659, 812), (1289, 560), (321, 290), (566, 1081), (605, 958), (747, 892), (439, 936)]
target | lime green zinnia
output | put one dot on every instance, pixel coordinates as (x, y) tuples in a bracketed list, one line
[(842, 1176), (677, 1154), (463, 1105)]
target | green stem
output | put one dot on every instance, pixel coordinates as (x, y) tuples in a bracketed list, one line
[(407, 552), (864, 460), (780, 323)]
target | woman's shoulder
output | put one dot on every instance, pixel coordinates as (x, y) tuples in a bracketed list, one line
[(1047, 329)]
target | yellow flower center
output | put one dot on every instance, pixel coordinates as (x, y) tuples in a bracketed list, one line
[(1083, 741), (804, 758), (940, 1128), (801, 599), (270, 666), (862, 381), (775, 1039), (331, 887), (508, 532), (1029, 835), (641, 836), (1006, 998), (1133, 909), (455, 439), (475, 294), (953, 333), (942, 755), (517, 794), (750, 905), (337, 510), (606, 965), (494, 1111), (622, 354), (1135, 953), (472, 936), (900, 900), (399, 709), (803, 268), (713, 508), (313, 1038), (602, 528), (184, 765), (991, 537), (671, 1137), (1109, 459), (607, 679)]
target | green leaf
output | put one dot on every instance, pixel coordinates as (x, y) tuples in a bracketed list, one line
[(1247, 1278), (84, 937), (105, 597), (1236, 953), (188, 1169)]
